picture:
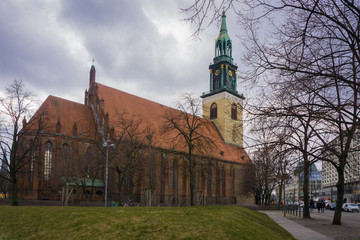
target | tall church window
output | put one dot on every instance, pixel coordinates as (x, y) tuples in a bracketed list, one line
[(209, 189), (223, 182), (217, 182), (89, 162), (175, 181), (65, 155), (162, 177), (213, 111), (175, 175), (48, 160), (31, 160), (233, 111)]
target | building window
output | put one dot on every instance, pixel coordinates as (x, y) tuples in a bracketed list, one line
[(233, 111), (48, 160), (223, 185), (65, 156), (213, 111), (209, 189), (175, 176), (217, 182), (31, 160)]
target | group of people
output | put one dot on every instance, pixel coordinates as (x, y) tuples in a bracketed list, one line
[(320, 205)]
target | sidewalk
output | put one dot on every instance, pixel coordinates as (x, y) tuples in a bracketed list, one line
[(298, 231)]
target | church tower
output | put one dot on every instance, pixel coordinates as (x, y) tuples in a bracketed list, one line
[(223, 104)]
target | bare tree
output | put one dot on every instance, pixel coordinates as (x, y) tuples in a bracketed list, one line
[(83, 170), (298, 117), (188, 131), (148, 163), (315, 41), (14, 108), (270, 157), (125, 159)]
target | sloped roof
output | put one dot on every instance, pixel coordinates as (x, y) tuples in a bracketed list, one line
[(67, 113), (117, 102)]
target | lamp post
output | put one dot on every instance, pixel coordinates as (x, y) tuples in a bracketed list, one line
[(106, 145)]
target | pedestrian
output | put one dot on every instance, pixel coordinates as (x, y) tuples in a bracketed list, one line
[(322, 206), (318, 206), (311, 204)]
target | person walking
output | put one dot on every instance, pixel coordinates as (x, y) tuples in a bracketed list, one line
[(318, 206), (322, 206), (311, 204)]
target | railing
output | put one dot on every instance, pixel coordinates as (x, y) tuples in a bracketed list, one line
[(294, 210)]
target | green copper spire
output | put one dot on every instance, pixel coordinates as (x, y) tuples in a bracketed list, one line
[(223, 28), (223, 45), (223, 71)]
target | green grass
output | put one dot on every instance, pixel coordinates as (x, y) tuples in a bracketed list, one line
[(214, 222)]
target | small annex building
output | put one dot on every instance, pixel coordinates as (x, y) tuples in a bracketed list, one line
[(146, 166)]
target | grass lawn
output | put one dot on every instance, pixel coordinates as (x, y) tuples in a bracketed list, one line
[(210, 222)]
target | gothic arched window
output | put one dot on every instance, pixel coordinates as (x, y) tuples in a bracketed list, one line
[(228, 48), (223, 182), (209, 177), (65, 156), (218, 49), (48, 160), (233, 111), (175, 178), (31, 159), (213, 111)]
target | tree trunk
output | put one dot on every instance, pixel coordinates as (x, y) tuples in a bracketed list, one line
[(119, 185), (306, 188), (340, 196), (280, 193), (191, 171), (14, 190)]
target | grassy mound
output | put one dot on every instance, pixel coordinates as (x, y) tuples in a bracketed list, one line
[(214, 222)]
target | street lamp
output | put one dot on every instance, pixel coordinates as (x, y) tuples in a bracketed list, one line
[(106, 145)]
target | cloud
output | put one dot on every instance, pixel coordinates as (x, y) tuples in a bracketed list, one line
[(140, 47)]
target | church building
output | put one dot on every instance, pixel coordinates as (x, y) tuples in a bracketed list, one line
[(118, 138)]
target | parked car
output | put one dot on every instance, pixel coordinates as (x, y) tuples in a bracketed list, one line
[(350, 207), (331, 206)]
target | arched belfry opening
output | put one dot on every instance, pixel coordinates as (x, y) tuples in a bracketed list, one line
[(222, 104)]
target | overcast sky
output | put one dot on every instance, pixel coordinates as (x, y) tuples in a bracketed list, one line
[(139, 46)]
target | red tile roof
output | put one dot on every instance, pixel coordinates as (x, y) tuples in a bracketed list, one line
[(117, 102), (67, 112)]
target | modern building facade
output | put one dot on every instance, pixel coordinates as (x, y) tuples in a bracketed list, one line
[(352, 172), (294, 189)]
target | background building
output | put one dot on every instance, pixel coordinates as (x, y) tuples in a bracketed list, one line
[(352, 173)]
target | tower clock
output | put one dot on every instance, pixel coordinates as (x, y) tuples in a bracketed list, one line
[(223, 98)]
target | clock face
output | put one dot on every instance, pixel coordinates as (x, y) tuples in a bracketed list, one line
[(217, 72)]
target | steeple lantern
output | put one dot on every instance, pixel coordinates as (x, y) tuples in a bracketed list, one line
[(223, 70)]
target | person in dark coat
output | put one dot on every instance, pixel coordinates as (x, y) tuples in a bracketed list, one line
[(311, 204), (318, 206)]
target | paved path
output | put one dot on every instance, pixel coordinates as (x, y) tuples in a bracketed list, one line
[(298, 231)]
